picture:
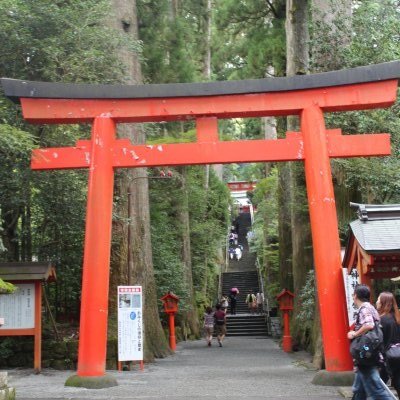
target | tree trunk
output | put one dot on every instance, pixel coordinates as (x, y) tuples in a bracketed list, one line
[(297, 38), (132, 260), (331, 20), (10, 237), (190, 317), (269, 126)]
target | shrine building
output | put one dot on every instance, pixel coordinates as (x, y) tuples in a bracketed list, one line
[(373, 246)]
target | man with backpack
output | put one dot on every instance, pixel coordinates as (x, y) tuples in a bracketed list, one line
[(251, 302), (367, 382)]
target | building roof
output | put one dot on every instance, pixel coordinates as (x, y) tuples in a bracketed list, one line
[(377, 235), (377, 228), (369, 212), (27, 271)]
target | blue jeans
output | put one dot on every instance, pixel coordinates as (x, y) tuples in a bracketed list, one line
[(367, 383)]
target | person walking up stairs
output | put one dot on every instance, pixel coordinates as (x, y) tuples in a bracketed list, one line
[(242, 274)]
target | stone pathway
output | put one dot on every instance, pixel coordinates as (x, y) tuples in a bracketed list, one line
[(245, 368)]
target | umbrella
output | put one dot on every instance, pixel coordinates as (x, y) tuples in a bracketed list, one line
[(235, 289)]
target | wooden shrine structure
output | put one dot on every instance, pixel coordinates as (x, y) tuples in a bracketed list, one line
[(307, 96), (373, 246), (24, 308)]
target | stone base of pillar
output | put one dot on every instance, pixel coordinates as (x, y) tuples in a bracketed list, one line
[(333, 378), (91, 382)]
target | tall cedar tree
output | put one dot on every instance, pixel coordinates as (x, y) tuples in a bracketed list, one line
[(131, 252)]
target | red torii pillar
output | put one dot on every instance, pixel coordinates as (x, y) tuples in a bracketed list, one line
[(314, 144)]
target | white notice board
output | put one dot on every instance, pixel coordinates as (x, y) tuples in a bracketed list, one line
[(350, 282), (18, 308), (130, 323)]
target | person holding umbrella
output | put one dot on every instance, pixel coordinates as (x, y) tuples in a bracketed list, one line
[(233, 299)]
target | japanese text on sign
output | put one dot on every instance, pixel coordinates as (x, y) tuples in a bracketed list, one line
[(18, 308), (130, 323), (350, 282)]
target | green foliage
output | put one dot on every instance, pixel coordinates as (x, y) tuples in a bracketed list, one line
[(265, 241), (206, 234), (250, 38), (171, 40), (43, 212), (303, 323), (208, 221), (166, 238), (15, 147), (6, 347), (306, 299), (51, 41), (373, 42), (6, 287), (376, 27)]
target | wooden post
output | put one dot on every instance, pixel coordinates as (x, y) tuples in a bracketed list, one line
[(37, 359), (172, 339), (326, 245), (96, 261), (287, 339)]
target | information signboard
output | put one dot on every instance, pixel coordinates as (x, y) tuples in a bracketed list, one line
[(130, 323), (350, 282), (18, 308)]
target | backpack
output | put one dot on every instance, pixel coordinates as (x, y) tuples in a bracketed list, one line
[(251, 298), (366, 348), (220, 320)]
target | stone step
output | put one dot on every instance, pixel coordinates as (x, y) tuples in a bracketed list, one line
[(237, 319), (247, 334)]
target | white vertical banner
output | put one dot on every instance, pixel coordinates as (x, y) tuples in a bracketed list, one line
[(350, 282), (130, 323)]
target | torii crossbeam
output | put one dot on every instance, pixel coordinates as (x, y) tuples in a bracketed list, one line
[(307, 96)]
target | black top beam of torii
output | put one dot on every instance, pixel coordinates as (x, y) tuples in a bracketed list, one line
[(15, 89)]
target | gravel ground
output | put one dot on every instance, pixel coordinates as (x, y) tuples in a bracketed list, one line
[(245, 368)]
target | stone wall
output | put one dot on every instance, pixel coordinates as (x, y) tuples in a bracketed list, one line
[(18, 352)]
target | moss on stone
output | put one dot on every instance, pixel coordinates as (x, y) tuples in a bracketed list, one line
[(7, 394), (91, 382), (6, 287), (330, 378)]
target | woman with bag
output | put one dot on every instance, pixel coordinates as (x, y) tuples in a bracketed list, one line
[(390, 320)]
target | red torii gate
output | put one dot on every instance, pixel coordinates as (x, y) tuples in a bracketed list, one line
[(307, 96)]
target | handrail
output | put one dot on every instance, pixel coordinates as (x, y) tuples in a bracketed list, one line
[(226, 265), (265, 306)]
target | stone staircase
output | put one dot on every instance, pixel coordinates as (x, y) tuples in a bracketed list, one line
[(242, 274), (243, 323), (244, 281), (246, 325)]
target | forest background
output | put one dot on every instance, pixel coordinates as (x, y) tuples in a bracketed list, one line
[(169, 233)]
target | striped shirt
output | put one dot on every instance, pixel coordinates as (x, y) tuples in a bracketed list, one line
[(367, 315), (209, 320)]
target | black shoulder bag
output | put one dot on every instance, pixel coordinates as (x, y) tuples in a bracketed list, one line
[(365, 349), (392, 351)]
